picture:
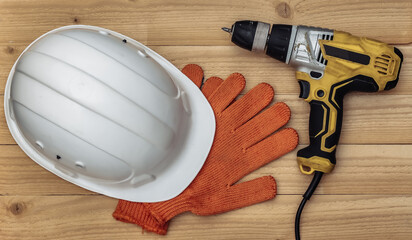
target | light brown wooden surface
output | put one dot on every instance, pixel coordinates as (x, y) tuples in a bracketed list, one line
[(369, 194)]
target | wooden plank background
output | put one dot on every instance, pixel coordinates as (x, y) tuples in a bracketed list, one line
[(369, 194)]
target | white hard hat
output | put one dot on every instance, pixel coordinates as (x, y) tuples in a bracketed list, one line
[(107, 113)]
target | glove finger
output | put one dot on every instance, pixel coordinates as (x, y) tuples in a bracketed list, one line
[(227, 92), (249, 105), (137, 213), (264, 152), (211, 85), (194, 72), (264, 124), (242, 195)]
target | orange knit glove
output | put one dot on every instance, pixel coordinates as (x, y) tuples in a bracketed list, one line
[(244, 141)]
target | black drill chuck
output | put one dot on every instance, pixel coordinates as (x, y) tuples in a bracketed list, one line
[(254, 36), (243, 33)]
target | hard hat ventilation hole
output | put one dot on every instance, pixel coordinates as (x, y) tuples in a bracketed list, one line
[(39, 144), (58, 157), (142, 180), (124, 40), (104, 32), (79, 164), (142, 53), (185, 102)]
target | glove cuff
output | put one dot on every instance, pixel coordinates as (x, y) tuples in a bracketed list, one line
[(137, 213), (164, 211)]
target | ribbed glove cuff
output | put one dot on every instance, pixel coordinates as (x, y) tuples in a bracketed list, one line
[(164, 211), (137, 213)]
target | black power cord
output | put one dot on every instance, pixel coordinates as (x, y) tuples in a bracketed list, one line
[(306, 197)]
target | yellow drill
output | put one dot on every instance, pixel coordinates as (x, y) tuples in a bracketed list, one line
[(328, 64)]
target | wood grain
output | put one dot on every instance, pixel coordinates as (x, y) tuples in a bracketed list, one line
[(361, 169), (89, 217), (180, 22)]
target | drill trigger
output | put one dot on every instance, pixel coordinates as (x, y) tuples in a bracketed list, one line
[(304, 89)]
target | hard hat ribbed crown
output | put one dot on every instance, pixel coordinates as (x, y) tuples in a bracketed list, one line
[(98, 109)]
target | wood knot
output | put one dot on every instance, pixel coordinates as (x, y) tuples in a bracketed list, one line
[(283, 9), (17, 208), (9, 50), (75, 20)]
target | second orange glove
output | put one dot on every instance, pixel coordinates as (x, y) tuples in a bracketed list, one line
[(245, 140)]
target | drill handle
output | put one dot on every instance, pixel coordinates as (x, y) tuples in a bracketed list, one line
[(325, 123)]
